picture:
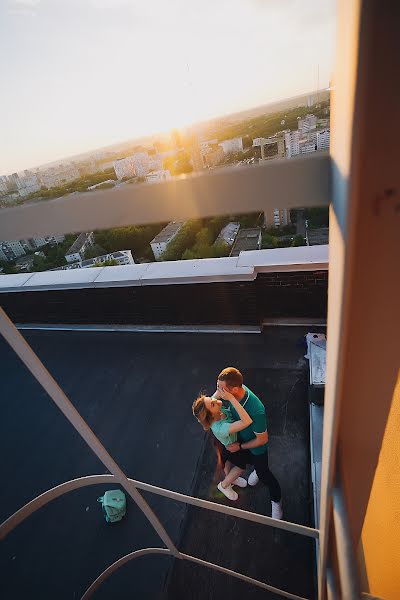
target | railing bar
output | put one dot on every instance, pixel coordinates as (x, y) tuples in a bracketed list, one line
[(331, 586), (120, 563), (299, 182), (40, 501), (231, 511), (42, 375), (36, 503), (347, 568), (138, 553)]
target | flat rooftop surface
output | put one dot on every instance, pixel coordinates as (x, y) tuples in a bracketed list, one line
[(246, 239), (135, 391)]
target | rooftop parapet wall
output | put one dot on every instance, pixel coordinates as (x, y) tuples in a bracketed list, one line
[(244, 267), (204, 292)]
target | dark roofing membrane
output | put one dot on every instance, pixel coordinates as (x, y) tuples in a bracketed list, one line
[(135, 391)]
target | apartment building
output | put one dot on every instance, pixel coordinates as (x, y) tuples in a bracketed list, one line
[(160, 243), (233, 145), (77, 251), (277, 217)]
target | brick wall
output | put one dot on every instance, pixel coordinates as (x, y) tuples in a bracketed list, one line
[(294, 294)]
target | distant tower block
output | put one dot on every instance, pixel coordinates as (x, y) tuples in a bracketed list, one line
[(273, 148), (276, 217), (193, 148)]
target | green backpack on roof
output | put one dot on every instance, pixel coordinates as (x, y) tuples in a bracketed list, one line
[(114, 505)]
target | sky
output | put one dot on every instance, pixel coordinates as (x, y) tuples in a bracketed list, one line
[(82, 74)]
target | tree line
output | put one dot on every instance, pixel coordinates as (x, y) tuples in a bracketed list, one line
[(77, 185), (134, 238), (265, 125), (197, 238)]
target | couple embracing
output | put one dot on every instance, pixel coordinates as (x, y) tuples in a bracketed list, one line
[(241, 427)]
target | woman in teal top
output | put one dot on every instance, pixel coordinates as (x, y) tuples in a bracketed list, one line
[(212, 415)]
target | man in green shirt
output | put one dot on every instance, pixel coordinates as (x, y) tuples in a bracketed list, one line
[(252, 445)]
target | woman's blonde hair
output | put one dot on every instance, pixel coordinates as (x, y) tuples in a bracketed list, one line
[(201, 412)]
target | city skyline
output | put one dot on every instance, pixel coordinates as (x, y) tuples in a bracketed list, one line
[(134, 70)]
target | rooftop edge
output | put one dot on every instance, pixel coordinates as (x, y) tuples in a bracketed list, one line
[(211, 270)]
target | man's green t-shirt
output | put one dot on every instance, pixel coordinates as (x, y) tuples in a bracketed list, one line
[(256, 410)]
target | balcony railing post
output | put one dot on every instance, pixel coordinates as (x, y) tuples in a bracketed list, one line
[(349, 585)]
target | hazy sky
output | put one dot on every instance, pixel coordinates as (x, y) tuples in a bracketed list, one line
[(81, 74)]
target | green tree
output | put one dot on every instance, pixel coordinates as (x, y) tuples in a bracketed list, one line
[(268, 241), (94, 251), (282, 230), (204, 237), (317, 217), (184, 240), (39, 264), (134, 238), (216, 224), (298, 240), (221, 249), (8, 268), (189, 254), (284, 242), (107, 263), (247, 220), (78, 185)]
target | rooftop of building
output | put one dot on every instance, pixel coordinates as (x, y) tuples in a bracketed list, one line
[(228, 233), (93, 262), (145, 421), (78, 243), (168, 231), (247, 239), (104, 257)]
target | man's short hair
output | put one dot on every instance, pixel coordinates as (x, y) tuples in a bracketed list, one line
[(231, 376)]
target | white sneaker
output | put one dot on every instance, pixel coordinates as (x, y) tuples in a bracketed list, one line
[(240, 482), (276, 510), (228, 492), (253, 479)]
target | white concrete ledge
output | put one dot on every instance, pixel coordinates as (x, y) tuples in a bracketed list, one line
[(60, 280), (245, 267), (121, 276), (11, 283), (207, 270), (310, 258)]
